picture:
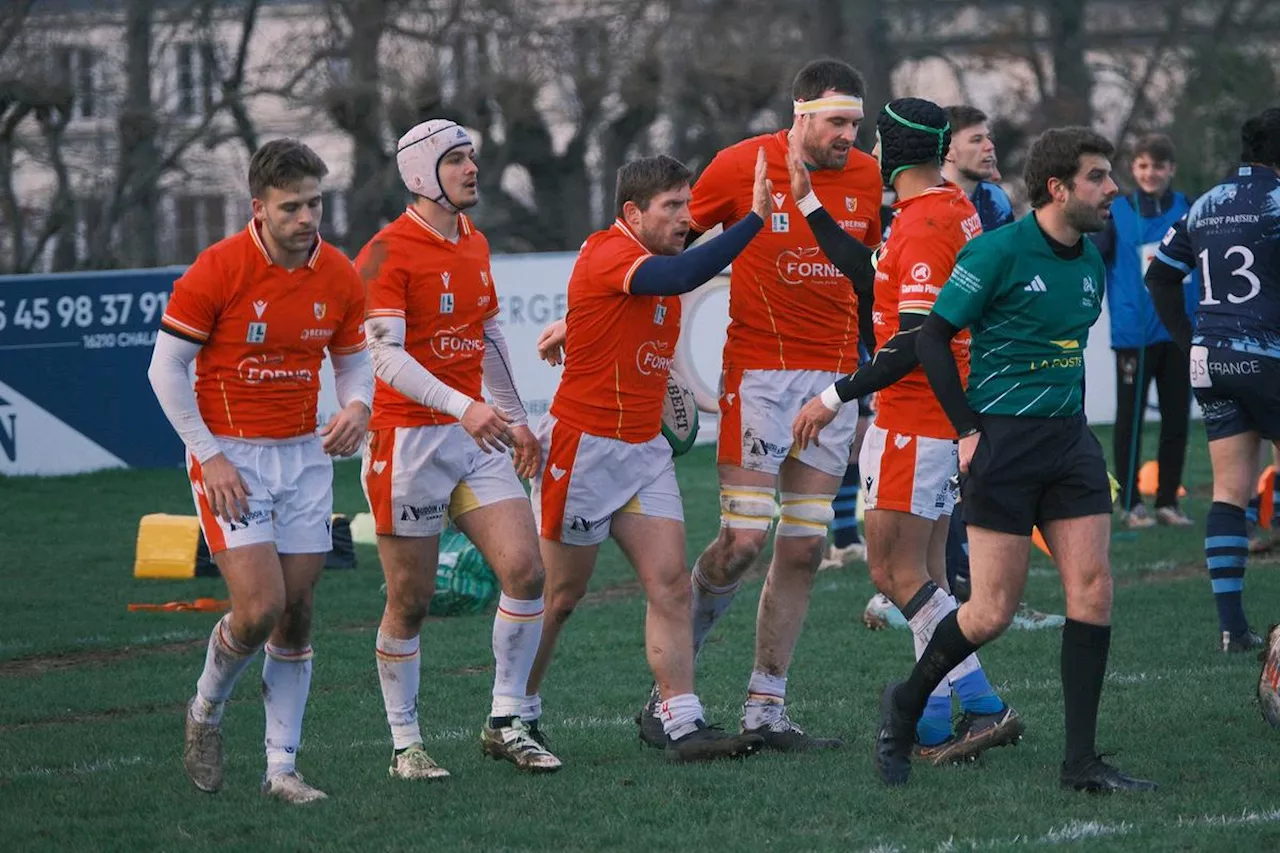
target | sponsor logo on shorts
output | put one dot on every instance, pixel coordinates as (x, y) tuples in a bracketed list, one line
[(586, 525), (1252, 367), (250, 519), (426, 512), (754, 445), (653, 355)]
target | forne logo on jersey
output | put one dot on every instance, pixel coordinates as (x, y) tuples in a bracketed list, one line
[(258, 369), (653, 356), (449, 343), (799, 266)]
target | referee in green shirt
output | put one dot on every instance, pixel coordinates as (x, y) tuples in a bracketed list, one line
[(1028, 294)]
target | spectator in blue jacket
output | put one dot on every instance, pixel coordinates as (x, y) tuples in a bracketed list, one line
[(1143, 348)]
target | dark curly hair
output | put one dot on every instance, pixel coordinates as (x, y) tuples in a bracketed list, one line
[(913, 132), (1260, 138)]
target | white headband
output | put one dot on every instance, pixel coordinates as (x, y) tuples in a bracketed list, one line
[(829, 104), (419, 153)]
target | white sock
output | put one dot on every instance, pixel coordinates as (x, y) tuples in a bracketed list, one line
[(709, 603), (517, 629), (224, 663), (680, 715), (531, 708), (925, 622), (399, 670), (286, 682), (766, 700)]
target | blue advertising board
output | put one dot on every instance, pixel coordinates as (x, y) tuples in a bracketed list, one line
[(74, 350)]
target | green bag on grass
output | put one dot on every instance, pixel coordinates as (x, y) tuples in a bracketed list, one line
[(465, 583)]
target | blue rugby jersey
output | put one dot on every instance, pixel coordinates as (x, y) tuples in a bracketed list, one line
[(1232, 236)]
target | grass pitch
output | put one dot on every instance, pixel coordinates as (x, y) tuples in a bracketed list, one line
[(92, 696)]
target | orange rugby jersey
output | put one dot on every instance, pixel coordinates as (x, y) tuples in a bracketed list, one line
[(444, 292), (914, 264), (263, 331), (618, 346), (789, 307)]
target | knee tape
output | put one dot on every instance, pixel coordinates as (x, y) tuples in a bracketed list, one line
[(805, 515), (746, 507)]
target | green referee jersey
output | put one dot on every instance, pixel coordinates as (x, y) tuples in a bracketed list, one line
[(1029, 312)]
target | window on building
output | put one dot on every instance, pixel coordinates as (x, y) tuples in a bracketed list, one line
[(74, 67)]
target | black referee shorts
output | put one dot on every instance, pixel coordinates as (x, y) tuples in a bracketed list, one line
[(1027, 471)]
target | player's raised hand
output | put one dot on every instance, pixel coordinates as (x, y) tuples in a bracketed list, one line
[(490, 428), (814, 415), (528, 453), (551, 343), (224, 488), (344, 432), (801, 186), (762, 189)]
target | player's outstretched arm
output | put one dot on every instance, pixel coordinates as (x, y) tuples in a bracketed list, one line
[(672, 275), (501, 382), (225, 489), (891, 362), (851, 256)]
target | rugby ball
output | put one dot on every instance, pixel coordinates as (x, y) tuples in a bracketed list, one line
[(679, 415)]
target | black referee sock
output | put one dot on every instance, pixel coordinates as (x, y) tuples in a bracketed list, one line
[(948, 648), (1084, 665)]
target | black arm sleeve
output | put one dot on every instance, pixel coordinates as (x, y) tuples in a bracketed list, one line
[(672, 275), (933, 346), (892, 361), (1165, 284), (852, 257)]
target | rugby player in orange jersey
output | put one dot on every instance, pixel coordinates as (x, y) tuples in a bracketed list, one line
[(909, 456), (608, 470), (256, 312), (794, 328), (436, 449)]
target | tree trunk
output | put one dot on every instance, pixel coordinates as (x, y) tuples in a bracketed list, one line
[(138, 151), (1072, 100)]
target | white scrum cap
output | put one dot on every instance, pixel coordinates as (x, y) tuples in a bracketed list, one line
[(419, 152)]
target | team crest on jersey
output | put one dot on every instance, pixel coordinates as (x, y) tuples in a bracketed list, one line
[(850, 203), (321, 309), (257, 333), (444, 277)]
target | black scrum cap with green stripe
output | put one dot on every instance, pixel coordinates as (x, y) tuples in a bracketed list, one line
[(912, 132)]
